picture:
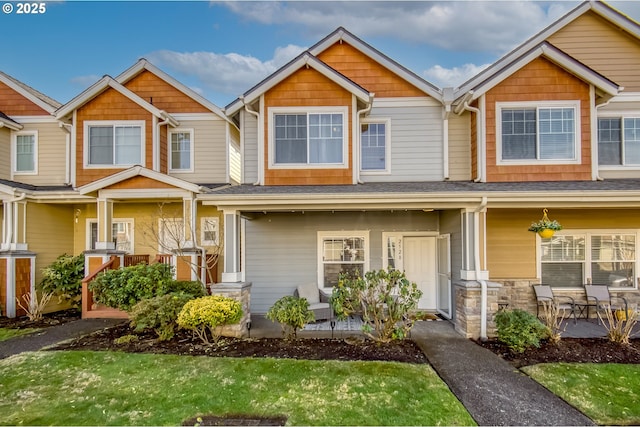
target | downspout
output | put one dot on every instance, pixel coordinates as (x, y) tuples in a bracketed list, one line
[(257, 116), (479, 141), (156, 144), (67, 170), (483, 283), (595, 151), (357, 151)]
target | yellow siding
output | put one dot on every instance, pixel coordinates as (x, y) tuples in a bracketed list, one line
[(603, 47), (51, 155), (459, 147), (5, 153), (511, 248), (49, 233)]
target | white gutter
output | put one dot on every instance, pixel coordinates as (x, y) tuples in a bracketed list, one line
[(357, 141), (483, 283), (257, 116)]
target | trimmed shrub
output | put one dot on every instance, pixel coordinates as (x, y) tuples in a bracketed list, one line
[(519, 329), (193, 288), (206, 315), (63, 278), (124, 287), (292, 313), (384, 298), (159, 313)]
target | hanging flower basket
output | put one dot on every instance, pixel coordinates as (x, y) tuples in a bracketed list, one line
[(545, 227)]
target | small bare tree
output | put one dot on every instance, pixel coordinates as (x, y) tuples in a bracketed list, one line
[(167, 233)]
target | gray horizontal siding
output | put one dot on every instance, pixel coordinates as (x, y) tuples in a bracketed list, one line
[(281, 249)]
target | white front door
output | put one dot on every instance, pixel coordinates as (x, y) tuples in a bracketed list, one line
[(420, 267)]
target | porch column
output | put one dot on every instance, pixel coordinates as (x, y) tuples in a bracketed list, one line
[(231, 272), (189, 223), (474, 245), (14, 227), (105, 227)]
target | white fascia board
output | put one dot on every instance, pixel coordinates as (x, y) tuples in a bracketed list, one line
[(151, 193), (143, 64), (555, 56), (10, 124), (386, 62), (27, 94), (138, 171)]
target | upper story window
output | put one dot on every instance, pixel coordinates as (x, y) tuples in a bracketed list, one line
[(181, 147), (25, 159), (374, 146), (544, 133), (114, 144), (308, 138), (619, 141)]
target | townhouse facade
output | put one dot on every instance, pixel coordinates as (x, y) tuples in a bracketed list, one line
[(343, 160)]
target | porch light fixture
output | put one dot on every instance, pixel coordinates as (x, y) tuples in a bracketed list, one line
[(545, 227)]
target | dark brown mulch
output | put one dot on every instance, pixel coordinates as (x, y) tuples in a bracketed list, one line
[(576, 350), (235, 420), (184, 343), (48, 320)]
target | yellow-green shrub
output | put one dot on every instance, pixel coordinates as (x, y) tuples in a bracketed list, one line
[(208, 314)]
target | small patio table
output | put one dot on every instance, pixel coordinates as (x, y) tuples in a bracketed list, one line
[(583, 309)]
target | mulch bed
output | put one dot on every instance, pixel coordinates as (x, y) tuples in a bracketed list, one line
[(48, 320)]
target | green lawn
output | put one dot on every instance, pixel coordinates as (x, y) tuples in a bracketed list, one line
[(109, 388), (609, 394), (7, 333)]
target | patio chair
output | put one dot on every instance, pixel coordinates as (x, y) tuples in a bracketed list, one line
[(601, 298), (544, 295), (318, 300)]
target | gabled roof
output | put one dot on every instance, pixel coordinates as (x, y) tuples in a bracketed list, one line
[(136, 171), (597, 7), (305, 59), (144, 64), (550, 52), (100, 86), (41, 100), (341, 34), (8, 122)]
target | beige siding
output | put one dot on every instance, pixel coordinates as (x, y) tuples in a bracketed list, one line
[(603, 47), (52, 155), (210, 151), (5, 153), (460, 147), (250, 148), (235, 159)]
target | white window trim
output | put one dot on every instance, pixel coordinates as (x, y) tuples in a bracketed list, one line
[(272, 111), (340, 235), (387, 122), (191, 133), (89, 123), (90, 221), (203, 221), (14, 153), (161, 235), (587, 233), (537, 105), (616, 115)]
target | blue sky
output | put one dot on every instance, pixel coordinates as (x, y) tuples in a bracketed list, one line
[(221, 49)]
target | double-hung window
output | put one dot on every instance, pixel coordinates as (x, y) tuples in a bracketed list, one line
[(308, 138), (599, 257), (121, 233), (209, 231), (181, 148), (341, 253), (25, 158), (114, 144), (619, 141), (374, 146), (545, 133)]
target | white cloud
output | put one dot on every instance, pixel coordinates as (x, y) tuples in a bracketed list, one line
[(471, 26), (452, 77), (229, 73)]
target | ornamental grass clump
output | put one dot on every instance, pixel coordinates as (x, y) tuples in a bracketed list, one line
[(205, 316), (292, 313), (619, 328)]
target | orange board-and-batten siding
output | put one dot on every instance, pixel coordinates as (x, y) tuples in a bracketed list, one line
[(367, 73), (308, 88), (602, 46), (540, 80), (14, 104), (111, 105)]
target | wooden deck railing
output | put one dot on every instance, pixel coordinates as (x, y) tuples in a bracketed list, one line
[(130, 260), (163, 258), (90, 309)]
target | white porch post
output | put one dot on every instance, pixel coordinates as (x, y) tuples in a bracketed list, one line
[(473, 238), (231, 272), (105, 227)]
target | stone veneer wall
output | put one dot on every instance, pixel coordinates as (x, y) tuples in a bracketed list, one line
[(240, 292), (468, 296)]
